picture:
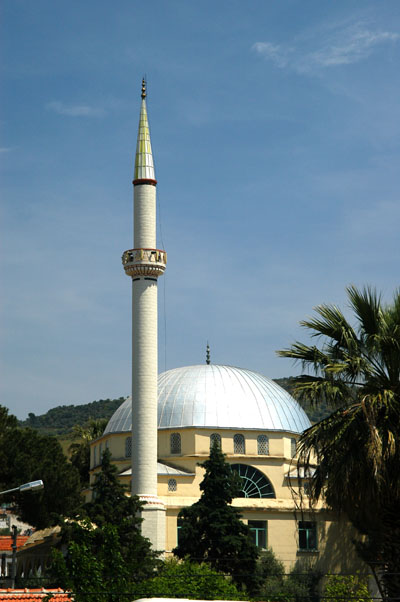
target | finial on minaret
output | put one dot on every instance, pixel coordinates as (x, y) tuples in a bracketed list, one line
[(143, 88), (208, 360)]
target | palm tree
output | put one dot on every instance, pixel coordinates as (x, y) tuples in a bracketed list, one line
[(356, 450), (80, 450)]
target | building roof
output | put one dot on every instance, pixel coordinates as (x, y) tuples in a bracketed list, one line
[(34, 595), (6, 542), (220, 397), (163, 470)]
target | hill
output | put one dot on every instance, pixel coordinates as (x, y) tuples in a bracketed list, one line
[(61, 419)]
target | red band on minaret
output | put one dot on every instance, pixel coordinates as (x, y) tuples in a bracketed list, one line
[(144, 181)]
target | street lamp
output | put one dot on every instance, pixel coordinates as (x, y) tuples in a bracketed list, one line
[(32, 486)]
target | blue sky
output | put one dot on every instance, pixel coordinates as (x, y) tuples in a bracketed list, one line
[(275, 129)]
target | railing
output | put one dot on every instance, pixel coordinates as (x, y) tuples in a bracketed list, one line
[(144, 262)]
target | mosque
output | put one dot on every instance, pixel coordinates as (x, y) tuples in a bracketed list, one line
[(158, 437)]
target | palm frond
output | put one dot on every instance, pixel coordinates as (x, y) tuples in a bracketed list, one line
[(367, 308)]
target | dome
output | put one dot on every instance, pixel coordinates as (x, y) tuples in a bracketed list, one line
[(212, 396)]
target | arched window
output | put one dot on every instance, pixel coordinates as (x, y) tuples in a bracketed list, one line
[(128, 447), (175, 443), (215, 438), (262, 445), (238, 444), (172, 485), (254, 482), (293, 446)]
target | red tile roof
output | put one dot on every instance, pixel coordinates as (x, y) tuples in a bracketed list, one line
[(34, 595), (6, 542)]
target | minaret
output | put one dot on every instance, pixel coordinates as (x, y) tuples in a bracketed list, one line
[(144, 264)]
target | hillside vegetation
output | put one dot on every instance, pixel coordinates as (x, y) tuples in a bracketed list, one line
[(62, 419)]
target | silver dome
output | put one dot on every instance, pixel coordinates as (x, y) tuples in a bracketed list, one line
[(212, 396)]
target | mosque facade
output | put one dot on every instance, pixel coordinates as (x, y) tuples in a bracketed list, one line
[(161, 434)]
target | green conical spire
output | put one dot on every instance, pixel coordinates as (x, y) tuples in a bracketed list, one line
[(144, 167)]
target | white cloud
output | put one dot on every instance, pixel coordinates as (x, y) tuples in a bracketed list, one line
[(342, 47), (75, 110), (274, 52)]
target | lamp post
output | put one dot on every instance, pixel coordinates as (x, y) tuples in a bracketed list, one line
[(31, 486)]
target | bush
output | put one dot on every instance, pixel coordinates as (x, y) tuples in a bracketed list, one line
[(346, 587), (185, 579)]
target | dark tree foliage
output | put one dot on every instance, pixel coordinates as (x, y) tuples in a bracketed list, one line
[(27, 456), (212, 530), (106, 552)]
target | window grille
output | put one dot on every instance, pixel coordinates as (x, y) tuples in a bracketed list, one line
[(307, 535), (238, 444), (254, 482), (172, 485), (262, 445), (293, 446), (215, 438), (258, 531), (175, 443), (128, 447)]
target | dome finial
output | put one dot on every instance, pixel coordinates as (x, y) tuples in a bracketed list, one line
[(143, 88), (208, 360)]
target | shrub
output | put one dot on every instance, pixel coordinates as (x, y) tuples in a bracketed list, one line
[(185, 579), (346, 587)]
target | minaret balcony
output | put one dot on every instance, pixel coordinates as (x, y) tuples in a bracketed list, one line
[(144, 262)]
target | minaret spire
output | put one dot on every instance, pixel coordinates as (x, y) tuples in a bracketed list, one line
[(145, 263), (144, 164)]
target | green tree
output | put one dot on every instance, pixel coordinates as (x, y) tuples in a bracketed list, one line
[(299, 584), (104, 543), (185, 579), (27, 456), (356, 450), (212, 530), (94, 568), (80, 450)]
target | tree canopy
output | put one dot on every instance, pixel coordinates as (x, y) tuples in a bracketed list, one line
[(356, 450), (27, 456), (211, 529), (106, 555)]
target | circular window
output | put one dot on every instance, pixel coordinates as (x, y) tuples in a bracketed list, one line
[(254, 482)]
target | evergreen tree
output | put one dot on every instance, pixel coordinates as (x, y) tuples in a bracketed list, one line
[(105, 543), (211, 529)]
